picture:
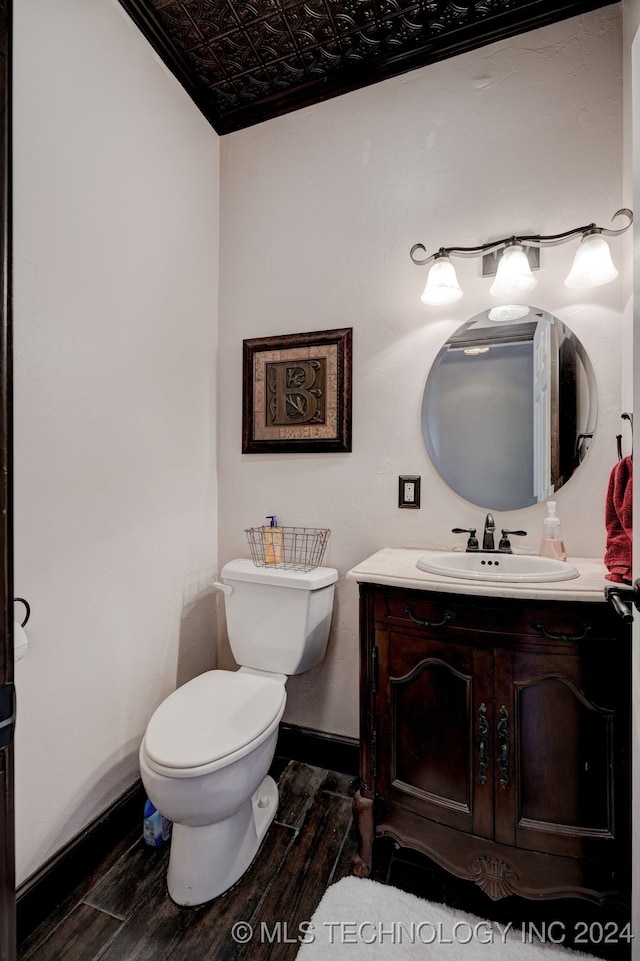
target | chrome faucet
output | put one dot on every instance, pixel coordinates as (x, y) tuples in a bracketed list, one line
[(488, 543)]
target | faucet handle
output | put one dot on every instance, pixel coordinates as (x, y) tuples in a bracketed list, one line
[(505, 544), (472, 542)]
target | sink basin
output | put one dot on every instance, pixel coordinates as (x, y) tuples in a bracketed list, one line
[(494, 566)]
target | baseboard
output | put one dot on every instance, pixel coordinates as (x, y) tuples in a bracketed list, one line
[(58, 877), (332, 751)]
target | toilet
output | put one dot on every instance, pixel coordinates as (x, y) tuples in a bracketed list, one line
[(208, 747)]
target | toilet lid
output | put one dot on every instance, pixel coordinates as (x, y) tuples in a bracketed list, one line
[(212, 716)]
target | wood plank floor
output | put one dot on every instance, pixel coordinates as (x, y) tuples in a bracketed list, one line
[(123, 913)]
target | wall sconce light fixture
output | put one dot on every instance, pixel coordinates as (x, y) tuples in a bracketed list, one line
[(512, 258)]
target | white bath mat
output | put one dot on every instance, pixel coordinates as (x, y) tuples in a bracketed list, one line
[(358, 918)]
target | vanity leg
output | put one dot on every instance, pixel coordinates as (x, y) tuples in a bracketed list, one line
[(363, 816)]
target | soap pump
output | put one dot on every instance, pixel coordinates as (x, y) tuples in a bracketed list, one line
[(272, 539), (551, 544)]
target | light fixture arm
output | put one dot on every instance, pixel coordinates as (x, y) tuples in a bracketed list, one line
[(534, 240)]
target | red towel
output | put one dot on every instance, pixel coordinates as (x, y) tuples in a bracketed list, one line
[(618, 521)]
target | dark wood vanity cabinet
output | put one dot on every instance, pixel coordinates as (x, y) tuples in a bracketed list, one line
[(495, 739)]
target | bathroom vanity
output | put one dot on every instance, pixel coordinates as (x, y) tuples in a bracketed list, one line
[(495, 728)]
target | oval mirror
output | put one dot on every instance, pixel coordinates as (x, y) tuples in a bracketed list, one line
[(509, 408)]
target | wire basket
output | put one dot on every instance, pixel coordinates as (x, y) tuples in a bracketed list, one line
[(290, 548)]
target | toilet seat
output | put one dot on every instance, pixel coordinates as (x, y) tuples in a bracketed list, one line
[(211, 721)]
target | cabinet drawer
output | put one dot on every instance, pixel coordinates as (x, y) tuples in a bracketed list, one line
[(551, 622)]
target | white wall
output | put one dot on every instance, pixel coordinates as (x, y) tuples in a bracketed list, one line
[(116, 277), (319, 210)]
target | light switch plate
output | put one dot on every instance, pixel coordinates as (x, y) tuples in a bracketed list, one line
[(409, 491)]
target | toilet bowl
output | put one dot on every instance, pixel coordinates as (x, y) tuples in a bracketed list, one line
[(204, 762), (207, 750)]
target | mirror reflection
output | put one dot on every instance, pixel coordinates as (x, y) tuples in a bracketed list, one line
[(509, 408)]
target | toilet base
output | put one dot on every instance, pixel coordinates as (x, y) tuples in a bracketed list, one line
[(205, 861)]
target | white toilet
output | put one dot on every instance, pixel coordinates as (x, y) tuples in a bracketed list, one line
[(208, 747)]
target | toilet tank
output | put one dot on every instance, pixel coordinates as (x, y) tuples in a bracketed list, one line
[(278, 620)]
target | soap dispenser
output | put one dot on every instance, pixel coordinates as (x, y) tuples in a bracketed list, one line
[(272, 539), (551, 544)]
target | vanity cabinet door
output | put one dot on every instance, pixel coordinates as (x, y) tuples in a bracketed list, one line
[(562, 749), (434, 736)]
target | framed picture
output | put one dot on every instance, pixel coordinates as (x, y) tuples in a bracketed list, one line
[(297, 393)]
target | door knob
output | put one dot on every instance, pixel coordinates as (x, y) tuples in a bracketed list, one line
[(621, 599)]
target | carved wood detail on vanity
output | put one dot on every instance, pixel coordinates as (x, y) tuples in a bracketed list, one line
[(499, 750), (495, 877)]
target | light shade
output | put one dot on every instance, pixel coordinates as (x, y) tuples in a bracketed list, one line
[(442, 284), (513, 277), (508, 312), (592, 265)]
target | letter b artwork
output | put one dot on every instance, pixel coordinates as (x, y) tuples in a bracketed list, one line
[(297, 393)]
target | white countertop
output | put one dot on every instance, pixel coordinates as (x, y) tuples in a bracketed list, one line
[(396, 566)]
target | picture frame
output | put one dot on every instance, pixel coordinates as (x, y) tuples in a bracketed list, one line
[(296, 394)]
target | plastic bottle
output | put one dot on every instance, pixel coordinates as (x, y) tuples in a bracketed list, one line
[(552, 544), (156, 828), (272, 543)]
